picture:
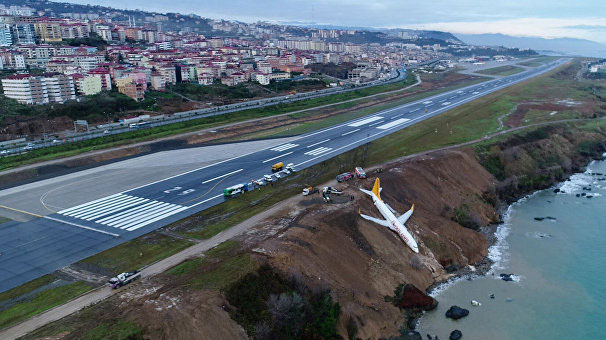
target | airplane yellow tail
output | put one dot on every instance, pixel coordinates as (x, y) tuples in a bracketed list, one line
[(376, 189)]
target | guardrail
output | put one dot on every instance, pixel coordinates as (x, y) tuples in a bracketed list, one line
[(117, 128)]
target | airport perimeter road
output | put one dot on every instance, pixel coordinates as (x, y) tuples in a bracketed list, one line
[(42, 245)]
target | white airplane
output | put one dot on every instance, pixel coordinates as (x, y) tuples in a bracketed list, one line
[(391, 221)]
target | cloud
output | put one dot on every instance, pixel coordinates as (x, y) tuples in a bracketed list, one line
[(581, 28)]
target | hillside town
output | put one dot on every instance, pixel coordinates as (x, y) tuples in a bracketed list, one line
[(50, 57)]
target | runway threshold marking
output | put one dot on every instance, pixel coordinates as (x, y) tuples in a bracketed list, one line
[(282, 155), (225, 175), (61, 221)]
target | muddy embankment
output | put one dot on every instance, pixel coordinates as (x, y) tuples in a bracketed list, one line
[(454, 194)]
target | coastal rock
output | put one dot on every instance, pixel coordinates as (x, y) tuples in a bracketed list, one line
[(492, 296), (455, 335), (578, 195), (410, 297), (551, 218), (451, 269), (539, 218), (556, 190), (456, 312), (506, 277)]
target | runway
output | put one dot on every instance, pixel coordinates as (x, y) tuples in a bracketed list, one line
[(53, 240)]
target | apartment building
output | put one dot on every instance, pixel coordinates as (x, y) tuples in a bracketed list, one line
[(43, 89), (48, 30)]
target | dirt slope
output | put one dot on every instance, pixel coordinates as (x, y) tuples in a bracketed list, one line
[(331, 246)]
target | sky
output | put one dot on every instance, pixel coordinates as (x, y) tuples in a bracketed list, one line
[(585, 19)]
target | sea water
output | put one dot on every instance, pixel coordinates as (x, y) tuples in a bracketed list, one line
[(559, 267)]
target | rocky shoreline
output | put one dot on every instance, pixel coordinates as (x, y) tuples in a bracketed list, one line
[(484, 267)]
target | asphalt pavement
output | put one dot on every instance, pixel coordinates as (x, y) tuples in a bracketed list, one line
[(46, 243)]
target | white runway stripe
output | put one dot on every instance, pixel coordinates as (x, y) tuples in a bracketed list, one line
[(108, 206), (128, 212), (392, 124), (123, 211), (284, 147), (318, 151), (87, 203), (97, 205), (314, 144), (365, 121), (158, 218), (138, 215), (115, 209), (149, 216)]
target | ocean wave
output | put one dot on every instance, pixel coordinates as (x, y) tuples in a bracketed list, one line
[(576, 183)]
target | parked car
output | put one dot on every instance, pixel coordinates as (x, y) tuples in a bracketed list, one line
[(346, 176)]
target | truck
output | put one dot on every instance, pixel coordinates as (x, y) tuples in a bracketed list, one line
[(360, 172), (331, 190), (277, 167), (310, 190), (235, 190), (124, 279)]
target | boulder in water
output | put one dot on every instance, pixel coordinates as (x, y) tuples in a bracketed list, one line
[(539, 218), (455, 335), (556, 190), (506, 277), (456, 312)]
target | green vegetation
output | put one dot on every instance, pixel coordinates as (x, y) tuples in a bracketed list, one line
[(135, 254), (538, 61), (501, 70), (4, 219), (269, 306), (26, 288), (92, 40), (118, 330), (104, 106), (220, 267), (41, 302)]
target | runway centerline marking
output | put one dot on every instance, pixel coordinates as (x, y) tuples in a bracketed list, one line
[(271, 159), (350, 132), (314, 144), (225, 175)]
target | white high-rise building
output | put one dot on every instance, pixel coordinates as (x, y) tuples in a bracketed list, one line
[(47, 88)]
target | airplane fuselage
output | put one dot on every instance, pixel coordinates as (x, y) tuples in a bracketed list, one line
[(398, 227)]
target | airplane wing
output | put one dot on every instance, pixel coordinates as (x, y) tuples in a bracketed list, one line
[(378, 221), (390, 208), (404, 217)]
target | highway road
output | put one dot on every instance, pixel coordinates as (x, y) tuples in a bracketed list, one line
[(47, 243)]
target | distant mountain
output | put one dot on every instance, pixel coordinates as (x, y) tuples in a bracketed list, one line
[(565, 46)]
